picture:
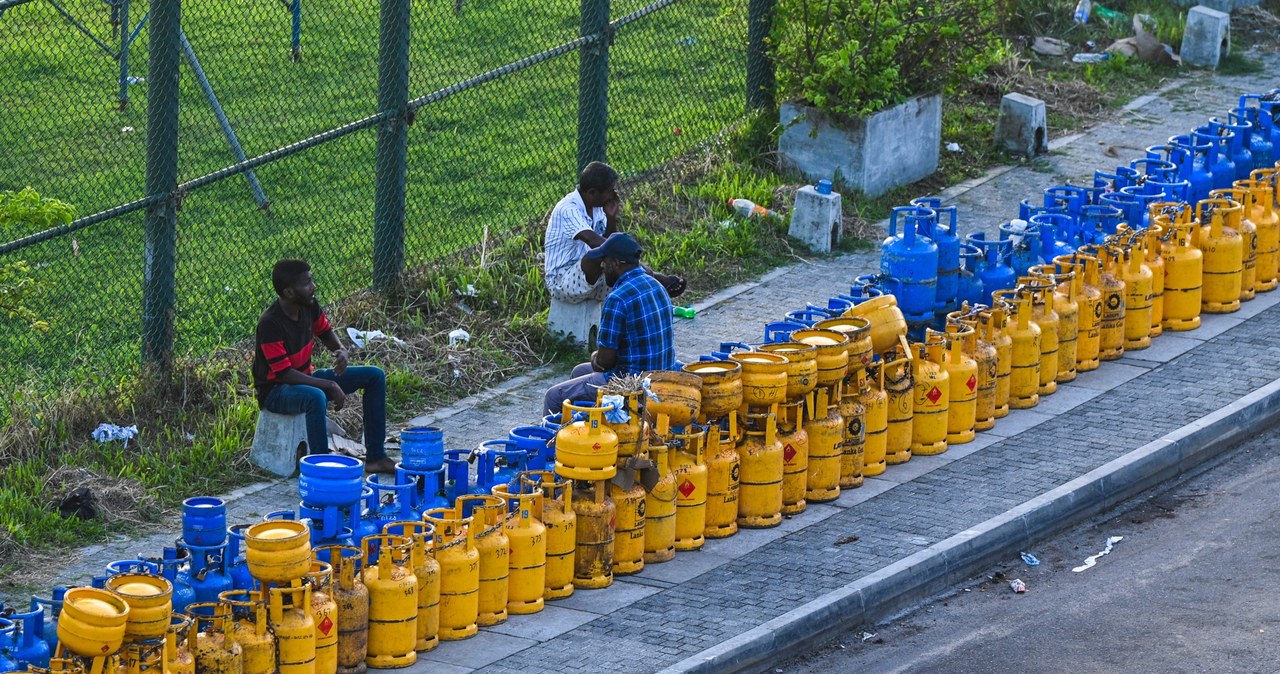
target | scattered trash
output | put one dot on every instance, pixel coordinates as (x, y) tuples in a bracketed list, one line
[(728, 224), (1090, 45), (1049, 46), (684, 312), (1107, 14), (1017, 228), (1018, 586), (1090, 58), (617, 414), (747, 208), (78, 503), (470, 291), (954, 147), (1089, 562), (675, 130), (1029, 558), (126, 129), (1143, 45), (459, 336), (136, 80), (362, 337), (1083, 8), (846, 539), (868, 635), (109, 432)]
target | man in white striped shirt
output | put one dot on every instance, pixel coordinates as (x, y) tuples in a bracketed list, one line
[(581, 221)]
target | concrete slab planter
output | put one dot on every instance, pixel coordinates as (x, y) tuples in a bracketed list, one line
[(893, 147)]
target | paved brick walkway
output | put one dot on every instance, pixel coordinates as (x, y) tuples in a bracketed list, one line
[(673, 611)]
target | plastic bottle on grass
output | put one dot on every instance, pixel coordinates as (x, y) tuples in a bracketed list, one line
[(747, 208), (1083, 8)]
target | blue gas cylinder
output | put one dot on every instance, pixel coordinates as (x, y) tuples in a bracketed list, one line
[(204, 521), (457, 464), (8, 638), (1260, 139), (1237, 144), (52, 608), (776, 332), (330, 480), (1024, 245), (838, 306), (1097, 222), (1054, 228), (366, 524), (422, 448), (1145, 196), (1128, 205), (1174, 190), (1149, 168), (503, 460), (909, 265), (206, 573), (996, 274), (1198, 168), (807, 317), (538, 442), (1220, 160), (943, 228), (1069, 198), (131, 566), (173, 567), (29, 647), (972, 265), (392, 502), (1112, 181), (237, 565)]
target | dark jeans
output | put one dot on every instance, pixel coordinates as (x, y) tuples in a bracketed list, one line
[(582, 385), (311, 401)]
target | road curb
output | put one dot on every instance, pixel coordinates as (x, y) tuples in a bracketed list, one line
[(888, 591)]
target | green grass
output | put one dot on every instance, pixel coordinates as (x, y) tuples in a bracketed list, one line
[(485, 160)]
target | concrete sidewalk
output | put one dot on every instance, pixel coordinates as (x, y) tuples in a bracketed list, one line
[(920, 526)]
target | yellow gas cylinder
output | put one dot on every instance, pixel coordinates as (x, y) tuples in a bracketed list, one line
[(986, 369), (1063, 294), (488, 514), (278, 551), (1137, 297), (992, 322), (1111, 283), (252, 631), (764, 377), (676, 395), (289, 614), (857, 330), (459, 560), (760, 475), (888, 325), (324, 615), (427, 570), (825, 430), (393, 602), (932, 398), (352, 598), (1248, 235), (142, 657), (1223, 255), (216, 650), (721, 386), (588, 449), (832, 355), (630, 433), (593, 559), (795, 456), (802, 367), (1262, 183), (1183, 272), (1088, 297), (688, 461), (178, 641), (853, 438), (962, 373), (1024, 354), (554, 508), (875, 421), (150, 600), (899, 388), (660, 503), (92, 626), (722, 480), (1155, 262), (1043, 315), (628, 497), (528, 539)]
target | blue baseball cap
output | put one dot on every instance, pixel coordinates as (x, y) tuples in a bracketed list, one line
[(618, 246)]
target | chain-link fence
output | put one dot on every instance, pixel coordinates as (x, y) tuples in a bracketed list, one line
[(368, 139)]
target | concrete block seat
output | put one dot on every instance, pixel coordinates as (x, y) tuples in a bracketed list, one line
[(281, 439), (577, 322)]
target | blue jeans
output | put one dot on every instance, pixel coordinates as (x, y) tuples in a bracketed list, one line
[(582, 384), (311, 401)]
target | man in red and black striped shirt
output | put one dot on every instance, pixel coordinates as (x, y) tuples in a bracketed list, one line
[(283, 376)]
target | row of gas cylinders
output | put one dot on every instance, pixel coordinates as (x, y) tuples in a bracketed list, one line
[(931, 270)]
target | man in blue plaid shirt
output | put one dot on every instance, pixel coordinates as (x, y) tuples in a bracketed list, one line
[(635, 325)]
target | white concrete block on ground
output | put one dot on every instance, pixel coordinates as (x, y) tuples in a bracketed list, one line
[(276, 442), (1022, 127), (816, 219), (575, 322), (1206, 38)]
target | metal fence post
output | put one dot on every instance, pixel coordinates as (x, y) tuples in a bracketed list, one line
[(390, 164), (593, 84), (760, 73), (160, 251)]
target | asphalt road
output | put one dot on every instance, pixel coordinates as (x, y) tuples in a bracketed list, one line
[(1193, 587)]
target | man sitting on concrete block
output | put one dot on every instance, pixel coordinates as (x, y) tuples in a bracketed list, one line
[(579, 223)]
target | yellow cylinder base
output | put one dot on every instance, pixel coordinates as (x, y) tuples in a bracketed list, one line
[(1137, 344), (985, 424), (1002, 412), (794, 508), (1246, 295), (458, 634), (1065, 376), (895, 458), (687, 544), (723, 531), (1266, 286), (1088, 365), (1025, 403), (425, 645), (760, 521), (525, 607), (1048, 389), (1220, 307), (874, 469), (488, 619), (1156, 330), (588, 474), (1111, 354), (628, 568), (358, 669), (821, 495), (929, 449), (961, 437), (561, 592), (596, 583), (660, 556), (391, 662), (1181, 324)]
